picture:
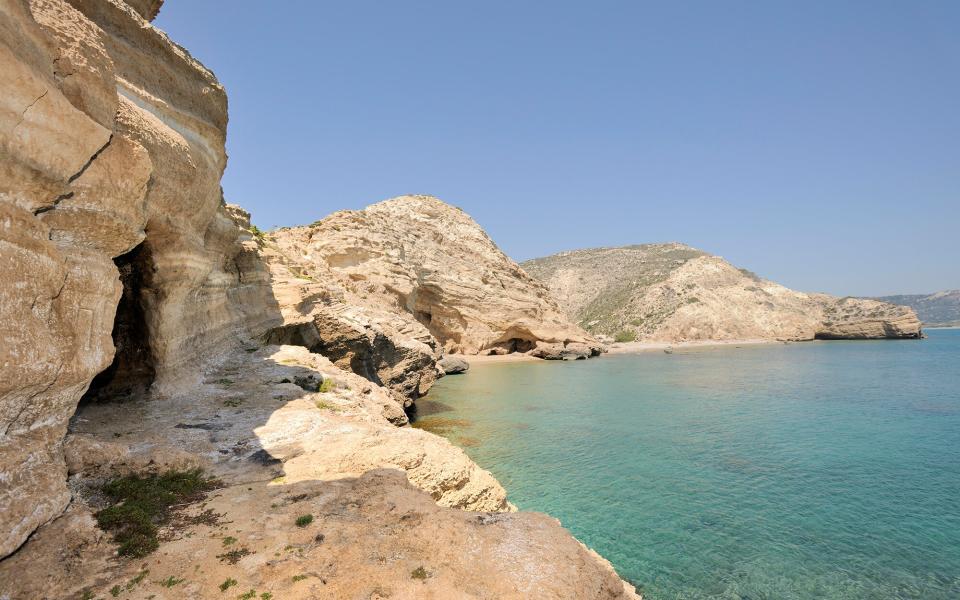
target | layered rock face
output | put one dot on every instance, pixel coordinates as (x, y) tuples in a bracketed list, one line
[(111, 152), (427, 264), (672, 292)]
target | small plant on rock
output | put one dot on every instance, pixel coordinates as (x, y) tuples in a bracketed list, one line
[(304, 520), (227, 584), (419, 573), (171, 581)]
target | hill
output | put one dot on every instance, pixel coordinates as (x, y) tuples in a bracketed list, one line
[(673, 292)]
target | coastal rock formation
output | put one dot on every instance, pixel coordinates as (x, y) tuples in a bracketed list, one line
[(134, 305), (112, 148), (672, 292), (452, 365), (941, 309), (385, 500), (429, 262), (320, 313)]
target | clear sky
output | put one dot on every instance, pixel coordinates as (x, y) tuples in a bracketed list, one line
[(815, 143)]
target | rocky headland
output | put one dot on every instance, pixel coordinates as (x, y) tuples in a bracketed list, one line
[(673, 293), (150, 330)]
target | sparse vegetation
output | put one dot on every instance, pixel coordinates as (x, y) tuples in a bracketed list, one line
[(136, 580), (227, 584), (234, 556), (170, 581), (297, 578), (249, 595), (232, 402), (419, 573), (142, 504), (225, 381), (258, 235), (115, 591), (625, 336), (229, 540), (304, 520), (327, 385)]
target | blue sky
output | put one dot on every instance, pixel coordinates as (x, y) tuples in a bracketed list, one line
[(816, 143)]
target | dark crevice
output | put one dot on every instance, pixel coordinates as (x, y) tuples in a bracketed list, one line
[(132, 371), (86, 166)]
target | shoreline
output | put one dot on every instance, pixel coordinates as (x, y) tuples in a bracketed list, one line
[(650, 346), (619, 348)]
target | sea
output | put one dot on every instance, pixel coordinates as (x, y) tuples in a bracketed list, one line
[(776, 471)]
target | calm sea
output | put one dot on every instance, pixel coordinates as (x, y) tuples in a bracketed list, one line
[(812, 470)]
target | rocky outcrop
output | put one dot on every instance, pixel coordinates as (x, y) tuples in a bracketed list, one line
[(112, 143), (862, 319), (385, 500), (429, 262), (319, 313), (672, 292)]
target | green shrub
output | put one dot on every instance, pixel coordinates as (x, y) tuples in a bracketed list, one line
[(327, 385), (304, 520), (419, 573), (625, 336), (227, 584)]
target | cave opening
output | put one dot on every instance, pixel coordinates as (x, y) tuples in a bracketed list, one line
[(520, 345), (133, 369)]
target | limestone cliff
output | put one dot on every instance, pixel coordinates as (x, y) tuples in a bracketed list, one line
[(111, 152), (430, 266), (672, 292)]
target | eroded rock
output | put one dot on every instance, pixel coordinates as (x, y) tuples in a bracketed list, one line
[(422, 258), (111, 140)]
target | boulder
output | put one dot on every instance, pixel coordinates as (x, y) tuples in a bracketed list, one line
[(452, 365)]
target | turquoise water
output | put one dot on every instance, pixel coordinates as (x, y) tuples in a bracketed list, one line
[(815, 470)]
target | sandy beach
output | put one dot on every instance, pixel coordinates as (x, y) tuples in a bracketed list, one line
[(631, 347), (621, 348)]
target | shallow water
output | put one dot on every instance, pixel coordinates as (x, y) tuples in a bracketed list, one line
[(814, 470)]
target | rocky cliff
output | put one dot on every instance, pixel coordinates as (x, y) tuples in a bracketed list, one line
[(432, 269), (672, 292), (112, 142), (138, 321)]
